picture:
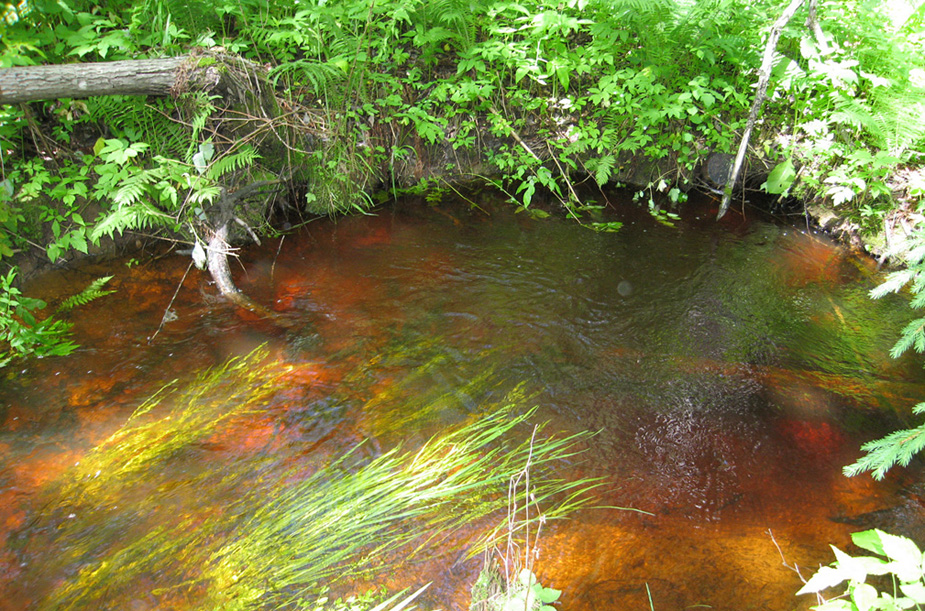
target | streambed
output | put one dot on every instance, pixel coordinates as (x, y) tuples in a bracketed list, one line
[(729, 369)]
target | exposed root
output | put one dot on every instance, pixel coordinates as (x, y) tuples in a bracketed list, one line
[(217, 261)]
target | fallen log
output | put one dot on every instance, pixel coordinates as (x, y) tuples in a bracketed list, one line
[(157, 77)]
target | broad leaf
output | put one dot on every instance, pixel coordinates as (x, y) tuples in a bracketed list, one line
[(869, 540), (915, 591), (781, 178), (824, 579), (864, 596), (905, 553)]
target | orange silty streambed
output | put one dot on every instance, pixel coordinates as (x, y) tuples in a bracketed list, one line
[(729, 371)]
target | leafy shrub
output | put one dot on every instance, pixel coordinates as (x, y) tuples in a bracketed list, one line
[(897, 558)]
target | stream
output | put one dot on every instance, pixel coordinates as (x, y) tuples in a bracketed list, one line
[(728, 370)]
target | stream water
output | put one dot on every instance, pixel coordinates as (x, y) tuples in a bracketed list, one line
[(729, 369)]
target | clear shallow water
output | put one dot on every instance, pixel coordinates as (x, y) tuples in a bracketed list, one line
[(731, 370)]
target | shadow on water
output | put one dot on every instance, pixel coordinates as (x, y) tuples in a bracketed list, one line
[(729, 370)]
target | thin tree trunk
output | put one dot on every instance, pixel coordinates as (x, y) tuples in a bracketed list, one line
[(764, 75)]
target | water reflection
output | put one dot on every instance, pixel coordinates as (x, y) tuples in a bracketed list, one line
[(730, 372)]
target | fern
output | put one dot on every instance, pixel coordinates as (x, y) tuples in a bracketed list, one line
[(136, 120), (602, 167), (851, 111), (133, 187), (200, 105), (319, 76), (232, 162), (137, 216), (898, 117), (448, 20), (93, 291), (196, 16)]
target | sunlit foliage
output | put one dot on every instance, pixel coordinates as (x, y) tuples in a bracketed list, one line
[(373, 94)]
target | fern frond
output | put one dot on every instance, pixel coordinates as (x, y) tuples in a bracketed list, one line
[(137, 216), (898, 117), (440, 20), (319, 76), (93, 291), (852, 111), (138, 120), (602, 167), (200, 104), (193, 15), (132, 188), (233, 162)]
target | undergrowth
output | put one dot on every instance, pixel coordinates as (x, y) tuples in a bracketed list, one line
[(373, 95)]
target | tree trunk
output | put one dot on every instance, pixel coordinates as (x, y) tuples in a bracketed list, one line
[(156, 77), (237, 81), (764, 75), (217, 260)]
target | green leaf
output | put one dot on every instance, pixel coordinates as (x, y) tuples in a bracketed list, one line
[(547, 595), (78, 241), (907, 559), (864, 596), (915, 591), (869, 540), (857, 569), (825, 578), (527, 578), (6, 188), (781, 178), (514, 604), (200, 162), (838, 604)]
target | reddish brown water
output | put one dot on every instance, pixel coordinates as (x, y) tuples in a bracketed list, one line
[(731, 370)]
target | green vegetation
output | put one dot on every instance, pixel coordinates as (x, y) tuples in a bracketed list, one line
[(333, 102), (21, 333), (506, 581), (900, 447), (369, 96), (903, 564), (276, 530)]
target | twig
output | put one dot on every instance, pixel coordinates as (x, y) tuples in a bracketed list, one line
[(278, 249), (794, 567), (167, 310), (568, 183), (248, 229)]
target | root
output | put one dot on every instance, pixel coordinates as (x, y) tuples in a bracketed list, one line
[(217, 258)]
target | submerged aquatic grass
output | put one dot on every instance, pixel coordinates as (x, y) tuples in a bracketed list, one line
[(339, 523), (267, 533), (174, 418)]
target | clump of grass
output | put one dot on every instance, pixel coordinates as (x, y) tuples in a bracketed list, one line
[(340, 523), (263, 533), (507, 581)]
